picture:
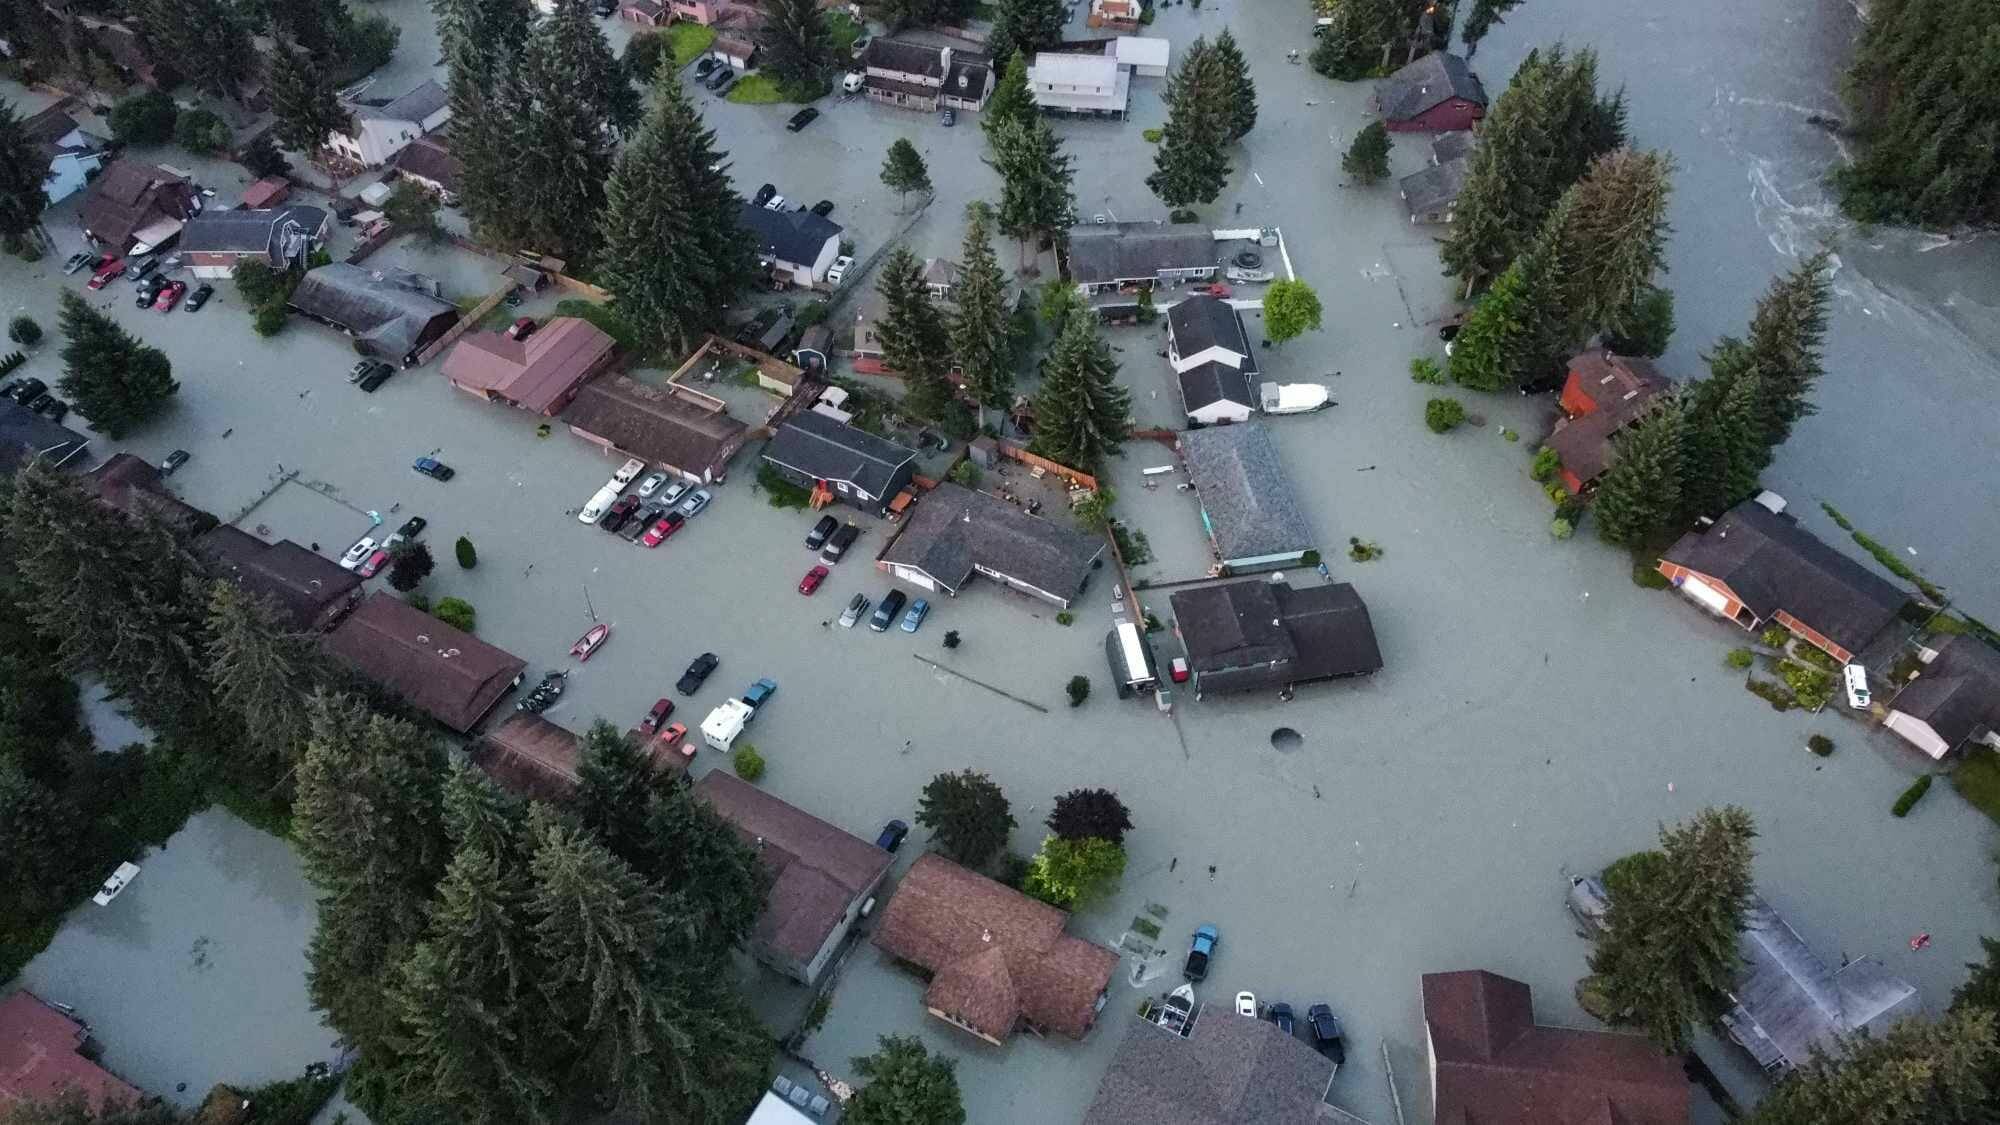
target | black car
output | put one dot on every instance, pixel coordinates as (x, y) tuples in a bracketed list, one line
[(434, 468), (697, 673), (41, 402), (816, 538), (721, 78), (25, 391), (1326, 1031), (763, 195), (892, 835), (823, 208), (149, 291), (199, 297), (801, 119), (838, 544), (374, 379), (1281, 1014), (887, 611), (57, 410), (707, 64), (141, 270), (174, 461), (412, 527), (619, 513), (637, 525)]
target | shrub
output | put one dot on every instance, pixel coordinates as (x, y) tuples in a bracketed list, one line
[(813, 313), (1774, 637), (1508, 435), (467, 557), (1182, 215), (966, 473), (1152, 135), (1777, 695), (1818, 659), (1079, 690), (455, 612), (24, 331), (1648, 577), (1443, 415), (642, 57), (1424, 369), (144, 119), (1064, 617), (1561, 528), (1810, 686), (1554, 491), (1911, 796), (780, 492), (417, 599), (1363, 550), (270, 319), (199, 130), (1545, 464), (1821, 745), (747, 762), (1153, 624), (1739, 658), (951, 638)]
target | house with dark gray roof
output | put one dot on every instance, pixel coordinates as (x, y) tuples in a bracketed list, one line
[(1431, 196), (311, 590), (1228, 1070), (958, 532), (858, 468), (912, 75), (72, 154), (1212, 359), (1106, 257), (379, 128), (26, 436), (796, 247), (391, 313), (1437, 93), (1757, 566), (1787, 1002), (1954, 701), (1248, 509), (1259, 633), (214, 243), (428, 161)]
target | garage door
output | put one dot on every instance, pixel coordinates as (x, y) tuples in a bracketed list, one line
[(1700, 591), (915, 578)]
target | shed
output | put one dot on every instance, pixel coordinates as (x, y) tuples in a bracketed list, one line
[(1146, 55), (267, 192)]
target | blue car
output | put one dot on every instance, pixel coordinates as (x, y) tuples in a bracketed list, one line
[(914, 620), (433, 468), (892, 835), (1200, 951), (761, 692)]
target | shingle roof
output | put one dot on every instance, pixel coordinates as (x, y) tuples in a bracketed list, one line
[(390, 308), (1426, 83), (797, 237), (1610, 380), (1331, 628), (529, 755), (129, 196), (47, 128), (1446, 147), (1790, 995), (299, 581), (1495, 1066), (25, 434), (452, 676), (968, 77), (905, 56), (415, 105), (1245, 495), (281, 234), (1772, 563), (1435, 188), (1208, 383), (40, 1057), (818, 870), (1584, 445), (429, 158), (1257, 633), (824, 449), (533, 374), (955, 529), (1131, 251), (1201, 322), (134, 486), (1958, 694), (998, 956), (1232, 1070), (653, 423)]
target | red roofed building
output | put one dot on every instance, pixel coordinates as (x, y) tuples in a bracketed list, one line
[(539, 374), (1603, 395), (997, 959), (1491, 1064), (41, 1057)]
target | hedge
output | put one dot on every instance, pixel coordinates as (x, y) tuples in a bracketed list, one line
[(1912, 795)]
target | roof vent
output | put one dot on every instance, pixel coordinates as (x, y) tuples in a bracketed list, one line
[(963, 81), (423, 638), (448, 653), (986, 936)]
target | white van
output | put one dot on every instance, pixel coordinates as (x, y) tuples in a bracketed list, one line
[(606, 496), (1855, 677), (852, 83)]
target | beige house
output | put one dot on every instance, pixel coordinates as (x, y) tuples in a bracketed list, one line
[(914, 76), (381, 129)]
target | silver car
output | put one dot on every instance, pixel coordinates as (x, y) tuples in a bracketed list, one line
[(854, 610)]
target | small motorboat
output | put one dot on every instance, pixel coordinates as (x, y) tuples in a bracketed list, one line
[(117, 882), (588, 643), (1177, 1014), (544, 694)]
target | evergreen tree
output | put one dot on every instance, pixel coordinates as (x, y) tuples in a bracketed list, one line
[(22, 199), (1724, 449), (206, 42), (905, 1086), (1081, 413), (1025, 27), (903, 170), (1786, 335), (1982, 986), (1356, 44), (480, 40), (263, 676), (1011, 102), (1919, 1072), (1367, 159), (916, 343), (117, 382), (1667, 958), (1618, 240), (1236, 82), (1639, 496), (1190, 165), (673, 253), (1485, 13), (695, 854), (304, 101), (616, 786), (1651, 326), (980, 324), (1035, 193), (568, 97), (796, 45), (1519, 330), (479, 37)]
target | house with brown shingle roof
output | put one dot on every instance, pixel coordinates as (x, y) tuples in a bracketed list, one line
[(311, 589), (450, 675), (1603, 395), (997, 960), (677, 428), (134, 208), (1492, 1064), (530, 756), (133, 485), (540, 374), (41, 1057)]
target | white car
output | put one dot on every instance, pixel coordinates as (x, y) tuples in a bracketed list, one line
[(606, 496), (125, 874), (1246, 1004), (357, 554), (628, 470), (651, 484), (674, 492), (775, 203), (839, 269), (1855, 678)]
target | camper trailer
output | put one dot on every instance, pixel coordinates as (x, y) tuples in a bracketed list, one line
[(1131, 659)]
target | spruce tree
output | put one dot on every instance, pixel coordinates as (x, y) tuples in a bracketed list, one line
[(304, 101), (1236, 83), (903, 170), (796, 45), (481, 42), (1651, 326), (114, 380), (719, 877), (1190, 165), (1035, 192), (1918, 1072), (616, 785), (206, 42), (1024, 27), (1519, 331), (22, 198), (1618, 240), (1484, 14), (1011, 103), (1355, 44), (568, 96), (263, 674), (1081, 413), (915, 341), (673, 253), (979, 321), (1639, 496), (1787, 333), (1367, 159)]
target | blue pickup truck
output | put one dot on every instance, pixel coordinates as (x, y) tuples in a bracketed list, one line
[(1199, 952)]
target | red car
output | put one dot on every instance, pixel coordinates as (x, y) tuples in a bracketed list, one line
[(659, 712), (662, 529), (170, 295), (522, 328), (375, 563), (671, 737), (813, 578), (112, 268)]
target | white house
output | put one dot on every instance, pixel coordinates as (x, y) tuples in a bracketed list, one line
[(72, 153), (1212, 360), (381, 129), (1087, 85), (1954, 700), (798, 247), (1142, 55)]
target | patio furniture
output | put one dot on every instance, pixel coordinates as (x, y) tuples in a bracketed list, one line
[(798, 1096), (819, 1106), (782, 1085)]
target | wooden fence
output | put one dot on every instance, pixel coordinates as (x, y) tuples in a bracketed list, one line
[(465, 324), (1073, 476)]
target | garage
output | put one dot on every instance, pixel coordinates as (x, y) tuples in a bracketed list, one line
[(1716, 601)]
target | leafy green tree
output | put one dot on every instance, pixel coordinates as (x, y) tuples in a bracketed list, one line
[(1058, 301), (1639, 496), (369, 44), (25, 331), (201, 131), (455, 612), (413, 208), (616, 786), (263, 159), (1237, 84), (903, 171), (673, 252), (1617, 232), (1011, 103), (1072, 873), (796, 44), (721, 880), (117, 382), (263, 674), (1085, 814), (1668, 955), (1650, 327), (968, 816), (1367, 159), (1290, 308), (145, 118), (1919, 1072), (905, 1086), (1190, 165), (1484, 14), (979, 329), (22, 167), (409, 564), (1025, 27), (643, 55), (305, 101), (1081, 413)]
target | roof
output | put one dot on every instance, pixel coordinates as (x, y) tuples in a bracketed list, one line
[(281, 234), (391, 308), (1231, 1070), (1246, 499), (996, 955), (1451, 145), (416, 105), (1427, 83), (1259, 633), (301, 582), (824, 449), (968, 77), (529, 755), (130, 196), (797, 237), (1788, 993), (1202, 322), (940, 271), (818, 871), (39, 1056), (134, 486), (1772, 563), (1095, 72), (1141, 50), (733, 47), (1206, 384), (1435, 188), (47, 128), (957, 529), (25, 434), (1610, 380), (1958, 694), (535, 373), (429, 158), (267, 192), (450, 675), (905, 56), (653, 423), (1494, 1065), (1131, 251), (1584, 445)]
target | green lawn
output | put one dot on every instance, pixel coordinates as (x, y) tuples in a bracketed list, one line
[(755, 89), (1977, 779), (689, 40)]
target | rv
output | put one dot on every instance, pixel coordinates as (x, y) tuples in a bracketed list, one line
[(1131, 659), (724, 723)]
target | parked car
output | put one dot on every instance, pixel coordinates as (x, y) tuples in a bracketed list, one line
[(661, 709), (856, 606), (813, 578), (1855, 678), (522, 328), (25, 391), (375, 563), (914, 620), (619, 513), (593, 510), (776, 203), (651, 484), (761, 692), (823, 208), (148, 292), (697, 673), (1200, 951), (626, 472), (78, 261), (373, 381), (673, 493), (199, 297), (412, 527), (721, 79), (663, 529), (170, 295), (670, 736), (801, 119), (838, 545), (41, 402), (763, 195), (852, 82), (695, 502), (57, 410), (357, 554), (106, 274), (174, 461), (434, 468), (1246, 1004), (1281, 1014), (891, 836), (839, 269), (948, 118), (1326, 1032), (641, 522), (705, 65), (816, 538), (360, 370), (142, 268), (885, 613)]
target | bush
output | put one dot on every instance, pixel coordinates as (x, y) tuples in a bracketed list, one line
[(144, 119), (1777, 695), (1911, 796), (951, 638), (1064, 617), (455, 612), (747, 762), (1820, 744), (1810, 686), (1774, 637), (1508, 435), (1079, 690), (1182, 215), (814, 313), (292, 1102), (270, 319), (1739, 658), (1554, 491), (24, 331), (417, 599), (1545, 464), (1561, 528), (608, 322), (1424, 369), (642, 57), (467, 557), (1648, 577), (966, 473), (1361, 550), (1977, 779), (1152, 135), (780, 492), (1443, 415), (199, 130)]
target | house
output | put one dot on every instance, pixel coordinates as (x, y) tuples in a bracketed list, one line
[(134, 486), (958, 532), (42, 1058), (1431, 196), (1256, 634), (733, 50), (1252, 518), (136, 208), (1108, 257), (1229, 1070), (1116, 15), (1603, 395), (860, 469), (540, 374), (267, 192), (1756, 566), (1436, 94), (912, 75), (450, 675), (26, 435), (820, 875), (312, 591), (941, 278), (1143, 55), (391, 313), (1788, 1002), (1491, 1063), (1216, 393), (1084, 85), (796, 247), (647, 13), (1954, 699), (676, 428), (381, 128), (1211, 354), (73, 154), (996, 960), (428, 161), (214, 243)]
